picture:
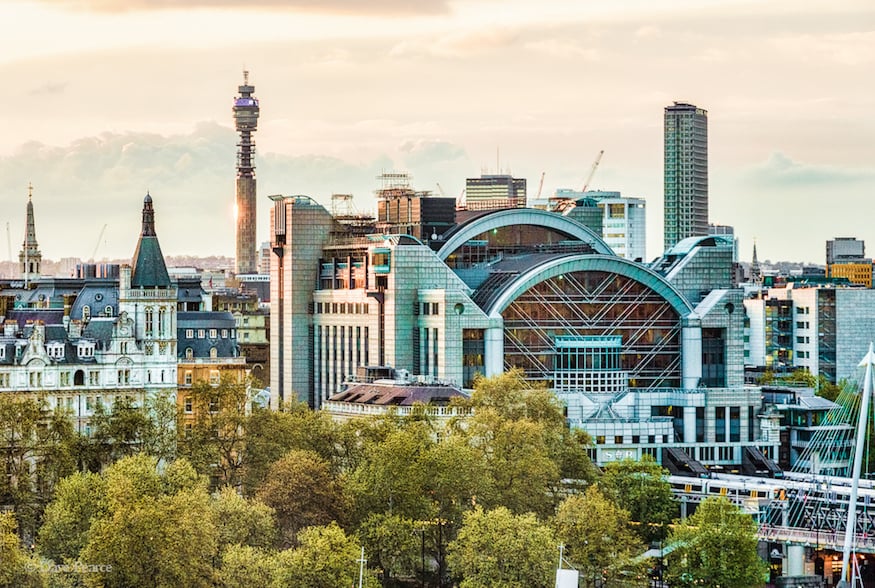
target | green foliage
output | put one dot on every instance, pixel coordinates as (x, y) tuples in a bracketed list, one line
[(243, 565), (522, 437), (325, 558), (640, 488), (153, 532), (391, 544), (17, 568), (242, 522), (31, 434), (215, 442), (716, 546), (272, 434), (497, 549), (78, 501), (302, 492), (600, 541)]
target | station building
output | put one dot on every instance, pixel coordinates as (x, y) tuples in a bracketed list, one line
[(644, 356)]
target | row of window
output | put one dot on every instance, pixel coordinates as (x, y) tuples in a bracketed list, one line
[(213, 333), (431, 308), (188, 380), (341, 308), (78, 378)]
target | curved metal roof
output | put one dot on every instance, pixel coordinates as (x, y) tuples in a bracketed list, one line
[(495, 296), (684, 246), (520, 216)]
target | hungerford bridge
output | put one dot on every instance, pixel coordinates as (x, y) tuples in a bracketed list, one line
[(805, 510)]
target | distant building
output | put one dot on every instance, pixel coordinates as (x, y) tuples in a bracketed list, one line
[(401, 209), (495, 191), (846, 258), (686, 172), (621, 222)]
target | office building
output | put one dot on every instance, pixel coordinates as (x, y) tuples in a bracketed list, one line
[(846, 258), (622, 222), (644, 357), (493, 192), (686, 172)]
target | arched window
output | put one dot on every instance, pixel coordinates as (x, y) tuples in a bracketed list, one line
[(86, 312), (189, 353), (79, 378), (214, 353)]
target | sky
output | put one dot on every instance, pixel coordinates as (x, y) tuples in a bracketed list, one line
[(105, 100)]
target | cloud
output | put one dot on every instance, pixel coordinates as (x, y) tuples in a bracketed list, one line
[(320, 6), (428, 152), (780, 169), (459, 43), (49, 88)]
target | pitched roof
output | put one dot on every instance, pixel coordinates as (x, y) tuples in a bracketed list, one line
[(149, 269)]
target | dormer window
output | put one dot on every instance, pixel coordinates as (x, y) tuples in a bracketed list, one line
[(55, 350), (108, 311), (86, 313), (85, 349), (189, 353)]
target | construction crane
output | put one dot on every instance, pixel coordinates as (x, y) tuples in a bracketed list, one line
[(441, 190), (595, 165), (97, 246), (540, 186)]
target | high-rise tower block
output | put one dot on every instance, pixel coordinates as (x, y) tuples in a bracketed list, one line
[(246, 119), (686, 172)]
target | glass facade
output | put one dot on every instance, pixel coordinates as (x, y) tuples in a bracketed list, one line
[(594, 304), (514, 240)]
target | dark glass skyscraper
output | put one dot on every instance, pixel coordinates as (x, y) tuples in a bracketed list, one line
[(686, 172)]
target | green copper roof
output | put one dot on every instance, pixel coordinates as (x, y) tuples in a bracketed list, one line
[(149, 270)]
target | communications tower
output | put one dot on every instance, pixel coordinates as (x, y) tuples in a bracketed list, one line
[(246, 119)]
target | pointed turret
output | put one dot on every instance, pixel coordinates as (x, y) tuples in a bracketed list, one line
[(756, 272), (30, 258), (149, 269)]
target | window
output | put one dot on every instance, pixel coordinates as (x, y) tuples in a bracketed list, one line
[(224, 333), (214, 378), (149, 318), (213, 333), (124, 376), (108, 311), (201, 333), (86, 313), (189, 333), (93, 378), (65, 378), (187, 378), (4, 380), (435, 308), (36, 379), (187, 404), (189, 353), (214, 353)]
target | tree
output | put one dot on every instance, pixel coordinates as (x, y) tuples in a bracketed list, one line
[(117, 432), (325, 558), (244, 565), (78, 501), (521, 433), (391, 544), (497, 549), (302, 491), (241, 521), (641, 489), (271, 434), (716, 546), (154, 532), (18, 569), (36, 451), (214, 442), (600, 541)]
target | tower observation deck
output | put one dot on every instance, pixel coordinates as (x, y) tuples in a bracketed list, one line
[(246, 112)]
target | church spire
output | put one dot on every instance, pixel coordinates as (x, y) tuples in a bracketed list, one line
[(756, 272), (30, 258)]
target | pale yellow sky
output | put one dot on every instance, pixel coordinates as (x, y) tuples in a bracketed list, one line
[(105, 99)]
